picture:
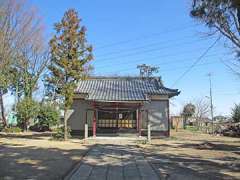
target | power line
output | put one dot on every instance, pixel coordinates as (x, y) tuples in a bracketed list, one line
[(228, 93), (171, 62), (196, 62), (143, 52), (184, 67), (170, 69), (122, 51), (143, 60), (223, 92), (180, 28), (152, 43)]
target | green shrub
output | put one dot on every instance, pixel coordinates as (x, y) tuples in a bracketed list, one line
[(39, 128), (48, 116), (26, 109), (1, 127), (12, 130), (59, 133), (142, 142), (192, 128)]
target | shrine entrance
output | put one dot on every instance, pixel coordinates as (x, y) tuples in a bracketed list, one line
[(122, 119), (117, 117)]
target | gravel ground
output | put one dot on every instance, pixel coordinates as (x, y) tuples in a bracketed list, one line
[(190, 155), (33, 156), (185, 155)]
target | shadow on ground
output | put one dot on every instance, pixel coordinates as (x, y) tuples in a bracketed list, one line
[(211, 146), (114, 162), (32, 135), (185, 166), (166, 166), (32, 162)]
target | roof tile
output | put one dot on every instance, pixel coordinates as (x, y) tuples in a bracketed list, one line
[(123, 88)]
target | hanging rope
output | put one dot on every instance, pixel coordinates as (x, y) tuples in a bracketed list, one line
[(114, 112)]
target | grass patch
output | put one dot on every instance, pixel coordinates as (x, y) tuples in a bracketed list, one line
[(192, 128), (12, 130)]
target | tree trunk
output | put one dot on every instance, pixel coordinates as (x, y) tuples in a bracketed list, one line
[(16, 98), (25, 125), (2, 109), (176, 125), (184, 122), (197, 123), (65, 125)]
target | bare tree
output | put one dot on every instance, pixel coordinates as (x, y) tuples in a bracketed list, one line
[(19, 27), (21, 46), (32, 53), (7, 34), (202, 109), (31, 66)]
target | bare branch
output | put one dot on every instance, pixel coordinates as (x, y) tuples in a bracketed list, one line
[(22, 42), (235, 19)]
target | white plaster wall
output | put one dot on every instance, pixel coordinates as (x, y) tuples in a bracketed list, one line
[(157, 115), (77, 115)]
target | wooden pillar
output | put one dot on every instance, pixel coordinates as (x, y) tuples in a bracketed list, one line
[(94, 123), (168, 133), (86, 126), (149, 133), (139, 122), (116, 114), (86, 131), (148, 128), (137, 114)]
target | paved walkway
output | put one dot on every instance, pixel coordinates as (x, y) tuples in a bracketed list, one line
[(114, 162)]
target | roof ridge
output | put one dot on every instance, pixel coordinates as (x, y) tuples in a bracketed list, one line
[(122, 77)]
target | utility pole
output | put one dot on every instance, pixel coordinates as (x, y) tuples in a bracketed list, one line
[(211, 99)]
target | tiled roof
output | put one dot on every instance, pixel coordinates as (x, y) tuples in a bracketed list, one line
[(123, 88)]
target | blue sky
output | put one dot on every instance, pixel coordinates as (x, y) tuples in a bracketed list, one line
[(126, 33)]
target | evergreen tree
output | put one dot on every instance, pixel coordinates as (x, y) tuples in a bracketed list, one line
[(188, 111), (70, 55), (236, 113), (223, 18)]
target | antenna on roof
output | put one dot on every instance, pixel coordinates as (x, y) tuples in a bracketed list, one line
[(146, 71)]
